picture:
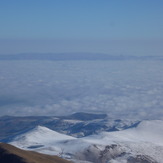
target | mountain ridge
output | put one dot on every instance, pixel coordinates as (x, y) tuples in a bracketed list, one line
[(74, 56), (77, 124)]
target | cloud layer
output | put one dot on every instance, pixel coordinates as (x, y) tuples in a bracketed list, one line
[(128, 89)]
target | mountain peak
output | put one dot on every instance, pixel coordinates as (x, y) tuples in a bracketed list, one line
[(86, 116), (41, 128), (38, 136)]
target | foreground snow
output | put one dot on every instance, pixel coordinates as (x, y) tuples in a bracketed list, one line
[(145, 142)]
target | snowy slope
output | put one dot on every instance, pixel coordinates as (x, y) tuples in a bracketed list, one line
[(144, 142), (40, 138), (146, 131), (76, 125), (146, 139)]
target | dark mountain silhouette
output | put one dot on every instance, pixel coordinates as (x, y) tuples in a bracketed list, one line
[(74, 56), (86, 116)]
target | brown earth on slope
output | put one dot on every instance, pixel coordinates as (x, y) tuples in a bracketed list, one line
[(11, 154)]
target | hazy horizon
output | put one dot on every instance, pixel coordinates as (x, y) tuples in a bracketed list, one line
[(130, 88)]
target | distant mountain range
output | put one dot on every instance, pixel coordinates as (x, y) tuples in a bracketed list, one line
[(77, 124), (74, 56)]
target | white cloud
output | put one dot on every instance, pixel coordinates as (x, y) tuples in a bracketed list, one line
[(51, 88)]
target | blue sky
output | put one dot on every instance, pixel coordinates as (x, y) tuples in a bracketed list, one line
[(107, 26)]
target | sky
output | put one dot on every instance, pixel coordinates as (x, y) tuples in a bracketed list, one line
[(108, 26)]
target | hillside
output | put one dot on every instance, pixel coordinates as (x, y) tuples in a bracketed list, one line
[(140, 144), (11, 154)]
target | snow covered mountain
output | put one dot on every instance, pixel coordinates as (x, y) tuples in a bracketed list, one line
[(40, 137), (141, 144), (77, 124)]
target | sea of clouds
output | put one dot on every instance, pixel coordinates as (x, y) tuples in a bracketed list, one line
[(120, 88)]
